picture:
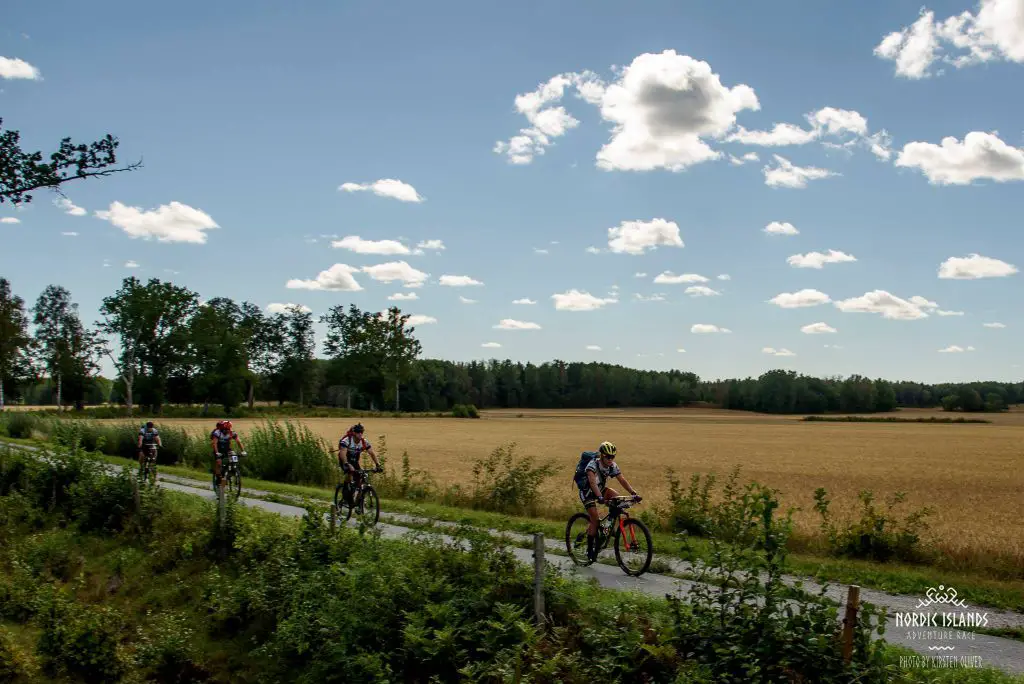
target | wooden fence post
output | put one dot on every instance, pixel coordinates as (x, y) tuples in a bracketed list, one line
[(333, 509), (222, 512), (850, 620), (538, 577), (135, 493)]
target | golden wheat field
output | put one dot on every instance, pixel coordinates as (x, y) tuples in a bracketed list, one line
[(973, 475)]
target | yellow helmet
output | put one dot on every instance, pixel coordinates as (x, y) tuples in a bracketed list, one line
[(607, 449)]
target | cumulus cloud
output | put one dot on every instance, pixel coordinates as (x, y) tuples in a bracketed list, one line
[(356, 244), (818, 260), (385, 187), (777, 352), (817, 329), (740, 161), (70, 233), (435, 245), (973, 267), (635, 237), (537, 250), (69, 207), (278, 308), (420, 319), (14, 68), (399, 271), (403, 297), (955, 349), (131, 264), (980, 156), (707, 329), (724, 276), (174, 222), (10, 219), (941, 312), (803, 298), (337, 278), (653, 298), (466, 300), (491, 345), (593, 347), (701, 291), (994, 33), (512, 324), (887, 305), (781, 228), (524, 300), (668, 278), (787, 175), (458, 281), (639, 275), (994, 325), (575, 300)]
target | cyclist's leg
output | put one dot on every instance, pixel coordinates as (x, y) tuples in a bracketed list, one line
[(589, 501), (216, 468)]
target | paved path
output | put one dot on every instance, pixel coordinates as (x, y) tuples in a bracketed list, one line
[(981, 649)]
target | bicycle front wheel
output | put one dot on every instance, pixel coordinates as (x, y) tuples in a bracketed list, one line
[(369, 506), (234, 482), (633, 547), (576, 538)]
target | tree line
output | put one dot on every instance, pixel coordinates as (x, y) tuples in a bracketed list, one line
[(169, 347)]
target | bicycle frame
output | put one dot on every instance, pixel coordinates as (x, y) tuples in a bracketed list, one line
[(617, 514)]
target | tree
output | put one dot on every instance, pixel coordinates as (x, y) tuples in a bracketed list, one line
[(22, 172), (261, 345), (399, 346), (355, 347), (218, 347), (69, 352), (14, 340), (296, 370)]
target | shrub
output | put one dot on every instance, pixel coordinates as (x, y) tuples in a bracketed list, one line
[(465, 411), (879, 536), (166, 650), (505, 484), (15, 664), (18, 424), (80, 640), (288, 453)]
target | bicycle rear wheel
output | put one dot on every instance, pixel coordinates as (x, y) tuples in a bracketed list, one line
[(633, 547), (576, 538), (343, 507), (368, 506)]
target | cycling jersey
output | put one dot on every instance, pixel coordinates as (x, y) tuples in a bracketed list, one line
[(223, 438), (149, 435), (353, 447), (603, 473)]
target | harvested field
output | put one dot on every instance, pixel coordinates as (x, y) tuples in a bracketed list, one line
[(973, 475)]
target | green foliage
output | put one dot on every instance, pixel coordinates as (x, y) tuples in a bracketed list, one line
[(892, 419), (690, 511), (18, 424), (876, 535), (288, 452), (504, 483), (80, 640), (465, 411), (167, 649), (15, 664)]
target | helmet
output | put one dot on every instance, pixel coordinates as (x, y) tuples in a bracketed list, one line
[(226, 425), (149, 424), (220, 424), (607, 449), (357, 428)]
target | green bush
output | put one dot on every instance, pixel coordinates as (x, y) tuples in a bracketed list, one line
[(503, 483), (80, 640), (15, 664), (288, 453), (465, 411), (879, 536), (17, 424)]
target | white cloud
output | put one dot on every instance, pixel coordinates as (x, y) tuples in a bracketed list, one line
[(10, 219), (356, 244), (174, 222), (131, 264), (955, 349), (740, 161), (803, 298), (787, 175), (818, 260), (668, 278), (653, 298), (784, 228), (593, 347), (701, 291), (707, 328), (941, 312), (817, 329), (436, 245), (70, 233), (403, 297), (540, 251), (491, 345), (466, 300), (593, 250), (574, 300), (337, 278), (397, 271), (662, 107), (995, 32), (512, 324), (639, 275), (781, 134), (888, 305), (681, 350), (386, 187), (994, 325), (980, 156), (633, 237), (777, 352), (973, 267), (12, 68), (923, 303), (69, 207), (724, 276), (420, 319), (524, 300), (458, 281), (278, 308)]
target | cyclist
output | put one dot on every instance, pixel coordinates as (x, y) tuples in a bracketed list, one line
[(148, 436), (220, 442), (598, 471), (350, 449)]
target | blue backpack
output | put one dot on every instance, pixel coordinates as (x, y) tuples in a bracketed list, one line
[(580, 476)]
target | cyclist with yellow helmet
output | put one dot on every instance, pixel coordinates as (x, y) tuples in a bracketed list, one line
[(597, 491)]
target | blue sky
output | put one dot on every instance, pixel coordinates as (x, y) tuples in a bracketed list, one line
[(252, 115)]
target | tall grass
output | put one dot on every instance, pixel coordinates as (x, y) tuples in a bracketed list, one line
[(288, 452)]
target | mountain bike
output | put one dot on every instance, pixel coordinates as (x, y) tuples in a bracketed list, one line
[(363, 499), (231, 474), (147, 469), (633, 546)]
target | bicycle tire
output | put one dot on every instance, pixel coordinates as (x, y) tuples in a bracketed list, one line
[(369, 505), (646, 534), (576, 553), (234, 482), (344, 509)]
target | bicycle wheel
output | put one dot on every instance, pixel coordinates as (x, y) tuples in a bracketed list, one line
[(234, 482), (368, 506), (633, 551), (344, 509), (576, 538)]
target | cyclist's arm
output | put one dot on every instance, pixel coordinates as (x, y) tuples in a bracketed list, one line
[(213, 445), (373, 455), (592, 478), (139, 445), (622, 480), (239, 443)]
